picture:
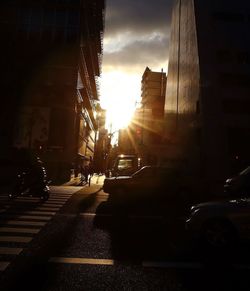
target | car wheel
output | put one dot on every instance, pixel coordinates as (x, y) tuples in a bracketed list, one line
[(219, 234)]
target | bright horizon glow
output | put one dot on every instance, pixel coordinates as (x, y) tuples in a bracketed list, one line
[(119, 93)]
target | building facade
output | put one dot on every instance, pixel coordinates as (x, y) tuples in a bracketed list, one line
[(151, 115), (50, 60), (207, 104), (144, 135)]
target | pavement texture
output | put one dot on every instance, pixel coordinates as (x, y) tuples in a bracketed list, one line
[(97, 179)]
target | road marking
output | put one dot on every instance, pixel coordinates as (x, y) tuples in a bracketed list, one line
[(145, 264), (26, 198), (48, 208), (58, 200), (89, 214), (81, 261), (46, 218), (19, 222), (4, 265), (94, 215), (40, 212), (54, 204), (65, 189), (19, 230), (60, 195), (21, 239), (51, 205), (10, 251), (129, 216)]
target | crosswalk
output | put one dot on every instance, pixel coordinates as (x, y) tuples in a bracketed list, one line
[(23, 218)]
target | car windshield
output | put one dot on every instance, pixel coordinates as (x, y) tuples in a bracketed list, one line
[(145, 171), (125, 164)]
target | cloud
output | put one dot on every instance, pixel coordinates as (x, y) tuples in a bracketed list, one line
[(138, 16), (136, 34), (137, 54)]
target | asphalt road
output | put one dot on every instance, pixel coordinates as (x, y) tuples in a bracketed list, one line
[(78, 240)]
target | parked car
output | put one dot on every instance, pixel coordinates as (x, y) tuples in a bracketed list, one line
[(239, 185), (220, 224), (124, 165), (150, 183)]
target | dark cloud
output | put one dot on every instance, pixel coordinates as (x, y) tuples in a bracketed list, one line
[(139, 54), (137, 34), (139, 16)]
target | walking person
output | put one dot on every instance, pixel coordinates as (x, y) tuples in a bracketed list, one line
[(86, 173), (91, 172)]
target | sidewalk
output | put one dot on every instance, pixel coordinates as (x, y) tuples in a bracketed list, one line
[(97, 179)]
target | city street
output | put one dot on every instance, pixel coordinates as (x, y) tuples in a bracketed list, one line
[(73, 242), (153, 95)]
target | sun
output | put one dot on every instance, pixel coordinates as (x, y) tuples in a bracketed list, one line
[(119, 92), (119, 115)]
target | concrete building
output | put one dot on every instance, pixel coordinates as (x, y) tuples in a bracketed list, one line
[(208, 92), (151, 115), (50, 59), (144, 136)]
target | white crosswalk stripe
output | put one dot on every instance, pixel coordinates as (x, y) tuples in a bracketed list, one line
[(48, 208), (40, 212), (18, 230), (20, 217), (19, 222), (10, 251), (21, 239), (23, 217)]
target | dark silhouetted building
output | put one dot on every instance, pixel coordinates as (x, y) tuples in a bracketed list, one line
[(208, 92), (50, 60)]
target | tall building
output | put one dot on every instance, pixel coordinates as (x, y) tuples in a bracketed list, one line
[(50, 60), (144, 135), (153, 87), (208, 91), (150, 115)]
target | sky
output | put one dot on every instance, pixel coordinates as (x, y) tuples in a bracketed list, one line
[(136, 35)]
